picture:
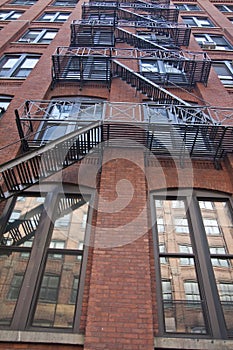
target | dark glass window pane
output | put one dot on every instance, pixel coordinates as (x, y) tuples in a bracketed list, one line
[(12, 270), (53, 307)]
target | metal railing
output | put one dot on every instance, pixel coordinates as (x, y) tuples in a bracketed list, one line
[(27, 170)]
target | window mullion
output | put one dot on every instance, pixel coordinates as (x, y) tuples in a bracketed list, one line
[(208, 284), (17, 65), (161, 325), (34, 265), (39, 36)]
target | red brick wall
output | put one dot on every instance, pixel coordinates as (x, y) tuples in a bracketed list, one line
[(31, 346), (119, 310)]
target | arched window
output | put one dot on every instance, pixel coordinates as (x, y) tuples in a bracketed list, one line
[(198, 250), (45, 247)]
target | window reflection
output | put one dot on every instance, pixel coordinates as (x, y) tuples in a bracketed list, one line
[(12, 269), (55, 306), (182, 302)]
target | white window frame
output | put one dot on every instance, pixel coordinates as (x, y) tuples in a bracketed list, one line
[(158, 66), (4, 103), (207, 205), (199, 21), (65, 3), (9, 15), (167, 290), (187, 7), (227, 80), (226, 294), (181, 225), (227, 9), (209, 38), (39, 37), (54, 16), (192, 292), (216, 261), (21, 59), (23, 2), (187, 249)]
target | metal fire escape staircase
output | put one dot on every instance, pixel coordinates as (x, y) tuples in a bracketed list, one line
[(153, 91), (32, 167), (135, 40), (205, 140)]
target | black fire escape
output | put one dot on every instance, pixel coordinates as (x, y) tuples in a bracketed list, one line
[(153, 39), (165, 126), (151, 28)]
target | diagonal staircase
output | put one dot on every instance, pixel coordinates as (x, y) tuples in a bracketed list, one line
[(135, 40), (145, 86), (29, 169)]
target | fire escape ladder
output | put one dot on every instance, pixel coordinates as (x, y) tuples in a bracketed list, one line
[(28, 169), (150, 89), (136, 41), (132, 16)]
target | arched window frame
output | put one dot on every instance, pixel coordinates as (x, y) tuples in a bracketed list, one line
[(213, 312)]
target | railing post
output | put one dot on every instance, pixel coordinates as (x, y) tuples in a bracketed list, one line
[(24, 143)]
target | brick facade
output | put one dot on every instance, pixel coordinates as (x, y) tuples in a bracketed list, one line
[(119, 305)]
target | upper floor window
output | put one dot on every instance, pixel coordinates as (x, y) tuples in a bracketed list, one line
[(213, 42), (65, 3), (195, 262), (94, 37), (162, 71), (187, 249), (54, 17), (188, 7), (226, 292), (225, 8), (160, 38), (4, 103), (8, 15), (167, 291), (64, 116), (42, 36), (49, 288), (224, 69), (211, 226), (17, 66), (192, 293), (218, 261), (197, 21), (57, 262), (23, 2), (15, 286)]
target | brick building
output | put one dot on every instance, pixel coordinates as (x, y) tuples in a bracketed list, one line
[(116, 177)]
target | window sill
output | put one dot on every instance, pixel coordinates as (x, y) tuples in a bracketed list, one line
[(195, 344), (41, 337)]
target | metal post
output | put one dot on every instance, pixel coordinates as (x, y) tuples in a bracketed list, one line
[(24, 143)]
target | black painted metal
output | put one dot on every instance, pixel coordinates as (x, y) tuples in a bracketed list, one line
[(29, 169), (204, 141)]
